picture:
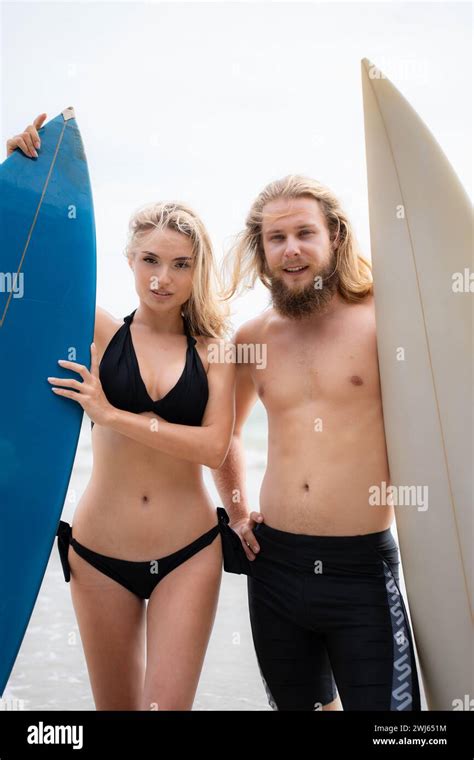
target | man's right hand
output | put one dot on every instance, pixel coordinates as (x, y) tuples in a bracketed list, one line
[(244, 529), (28, 140)]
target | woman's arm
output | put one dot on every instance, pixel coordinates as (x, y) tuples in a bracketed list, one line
[(207, 444), (105, 327)]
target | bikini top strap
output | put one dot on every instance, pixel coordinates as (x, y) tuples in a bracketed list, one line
[(129, 318), (191, 341)]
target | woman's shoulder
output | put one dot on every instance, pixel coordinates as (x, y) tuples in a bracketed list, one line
[(215, 351), (106, 325)]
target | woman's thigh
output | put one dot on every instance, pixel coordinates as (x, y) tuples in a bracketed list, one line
[(112, 627), (180, 616)]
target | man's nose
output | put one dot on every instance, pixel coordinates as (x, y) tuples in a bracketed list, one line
[(292, 248)]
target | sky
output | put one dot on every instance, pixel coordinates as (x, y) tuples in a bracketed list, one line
[(208, 102)]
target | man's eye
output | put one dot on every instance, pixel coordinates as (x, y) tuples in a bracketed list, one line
[(276, 237)]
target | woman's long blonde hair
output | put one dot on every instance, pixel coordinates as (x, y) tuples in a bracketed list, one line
[(245, 260), (205, 313)]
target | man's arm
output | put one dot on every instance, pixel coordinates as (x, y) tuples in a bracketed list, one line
[(230, 476)]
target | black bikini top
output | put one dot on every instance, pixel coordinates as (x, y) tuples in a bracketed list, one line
[(123, 384)]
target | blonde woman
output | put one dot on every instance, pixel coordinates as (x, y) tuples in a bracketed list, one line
[(145, 527)]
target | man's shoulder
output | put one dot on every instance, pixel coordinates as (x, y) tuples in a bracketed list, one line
[(253, 330), (361, 314), (363, 308)]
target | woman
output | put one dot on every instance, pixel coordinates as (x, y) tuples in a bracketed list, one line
[(161, 410)]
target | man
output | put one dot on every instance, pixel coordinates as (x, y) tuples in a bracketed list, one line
[(324, 602)]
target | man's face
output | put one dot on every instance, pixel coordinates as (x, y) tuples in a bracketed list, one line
[(299, 256)]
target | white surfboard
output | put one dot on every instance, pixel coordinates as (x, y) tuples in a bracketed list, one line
[(421, 240)]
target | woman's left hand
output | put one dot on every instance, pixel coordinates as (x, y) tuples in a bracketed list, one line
[(89, 393)]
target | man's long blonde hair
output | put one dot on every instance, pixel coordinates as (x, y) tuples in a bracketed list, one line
[(205, 313), (245, 260)]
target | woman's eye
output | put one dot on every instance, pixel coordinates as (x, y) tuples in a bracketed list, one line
[(276, 237), (183, 265), (153, 261)]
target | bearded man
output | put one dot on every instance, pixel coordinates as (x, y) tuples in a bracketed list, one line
[(326, 611)]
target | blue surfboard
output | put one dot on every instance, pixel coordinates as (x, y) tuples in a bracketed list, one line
[(47, 308)]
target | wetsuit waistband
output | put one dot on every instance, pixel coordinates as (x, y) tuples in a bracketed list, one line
[(303, 548)]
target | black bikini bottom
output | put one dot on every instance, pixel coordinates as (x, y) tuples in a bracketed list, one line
[(142, 577)]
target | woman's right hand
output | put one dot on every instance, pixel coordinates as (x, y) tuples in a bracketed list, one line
[(28, 140)]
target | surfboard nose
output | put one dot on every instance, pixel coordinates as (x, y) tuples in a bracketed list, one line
[(370, 71), (68, 113)]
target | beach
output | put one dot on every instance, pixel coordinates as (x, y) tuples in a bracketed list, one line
[(50, 672)]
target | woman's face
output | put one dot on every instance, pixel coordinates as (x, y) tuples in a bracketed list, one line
[(163, 264)]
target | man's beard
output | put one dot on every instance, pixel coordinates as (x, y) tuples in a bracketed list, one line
[(303, 302)]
